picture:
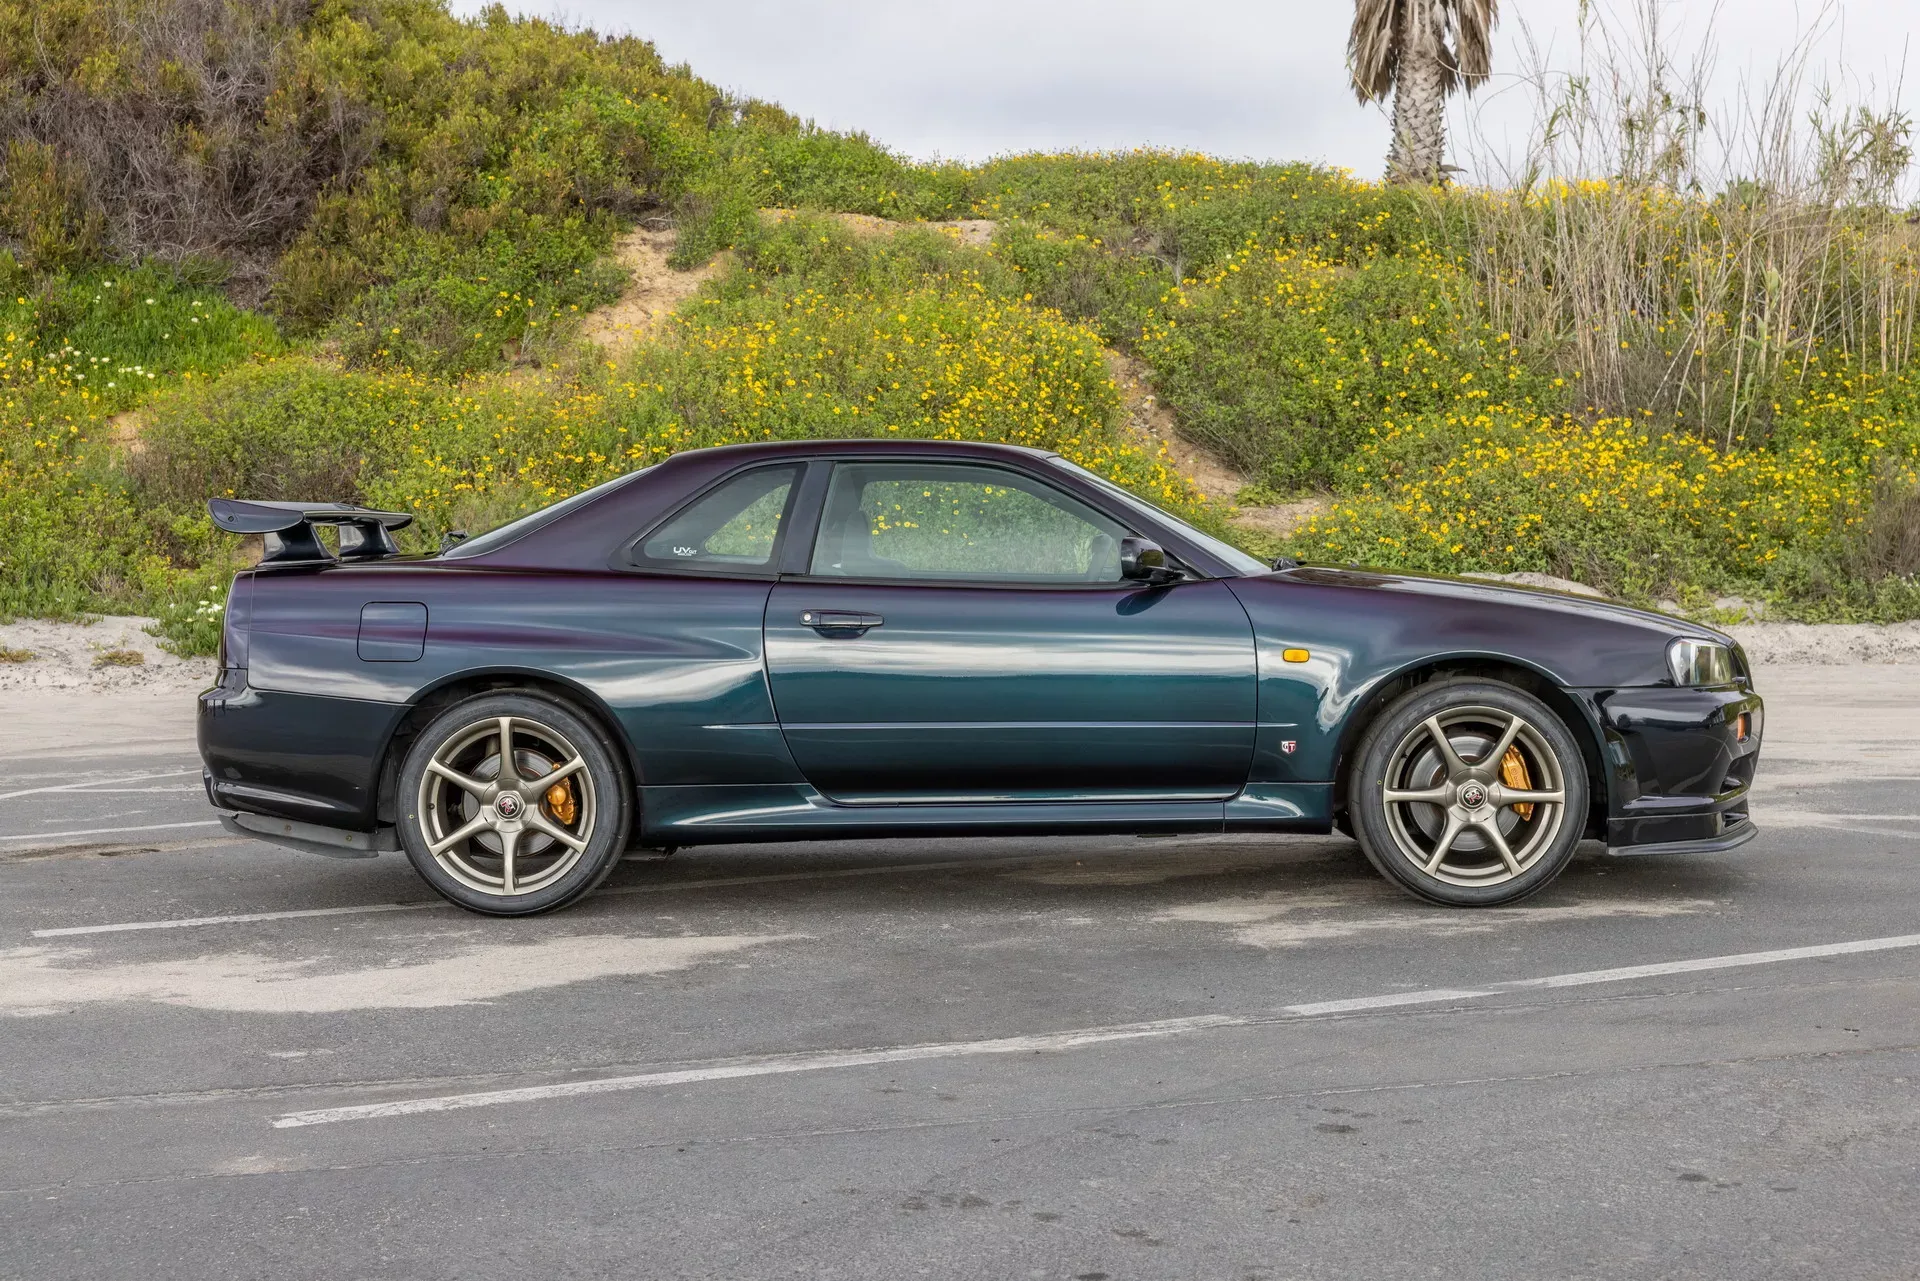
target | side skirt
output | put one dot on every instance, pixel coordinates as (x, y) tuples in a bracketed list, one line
[(712, 815)]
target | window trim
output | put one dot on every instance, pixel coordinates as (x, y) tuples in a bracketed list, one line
[(800, 557), (630, 559)]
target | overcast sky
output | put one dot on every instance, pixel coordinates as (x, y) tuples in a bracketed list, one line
[(1242, 78)]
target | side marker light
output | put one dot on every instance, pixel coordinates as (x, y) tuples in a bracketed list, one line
[(1295, 655)]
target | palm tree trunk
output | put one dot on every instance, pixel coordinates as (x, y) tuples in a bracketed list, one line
[(1419, 97)]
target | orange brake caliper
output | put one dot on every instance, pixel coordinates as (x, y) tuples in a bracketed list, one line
[(560, 802), (1513, 772)]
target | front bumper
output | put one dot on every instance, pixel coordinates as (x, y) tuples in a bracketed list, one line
[(1680, 763)]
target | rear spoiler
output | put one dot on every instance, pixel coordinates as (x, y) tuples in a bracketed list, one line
[(288, 529)]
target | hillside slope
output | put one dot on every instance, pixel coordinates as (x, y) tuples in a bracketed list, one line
[(362, 249)]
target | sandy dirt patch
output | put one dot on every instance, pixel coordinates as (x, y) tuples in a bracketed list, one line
[(1828, 644), (1545, 581), (1150, 421), (652, 293), (977, 232), (1289, 918), (41, 980), (67, 656)]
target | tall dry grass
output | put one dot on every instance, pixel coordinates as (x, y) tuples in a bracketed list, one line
[(1688, 263)]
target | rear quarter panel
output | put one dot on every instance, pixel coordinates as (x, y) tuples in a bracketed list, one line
[(672, 664)]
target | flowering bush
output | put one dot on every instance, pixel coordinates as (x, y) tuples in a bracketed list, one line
[(1614, 502), (190, 625)]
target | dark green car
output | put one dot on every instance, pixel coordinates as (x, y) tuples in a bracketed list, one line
[(868, 638)]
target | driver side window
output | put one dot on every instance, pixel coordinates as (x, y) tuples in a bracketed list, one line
[(960, 522)]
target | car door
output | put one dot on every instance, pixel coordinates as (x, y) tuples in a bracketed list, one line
[(962, 632)]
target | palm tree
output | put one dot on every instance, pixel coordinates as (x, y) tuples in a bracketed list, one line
[(1421, 50)]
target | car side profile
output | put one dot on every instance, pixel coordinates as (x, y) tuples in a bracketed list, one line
[(809, 640)]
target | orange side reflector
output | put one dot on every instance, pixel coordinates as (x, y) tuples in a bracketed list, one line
[(1295, 655), (1743, 727)]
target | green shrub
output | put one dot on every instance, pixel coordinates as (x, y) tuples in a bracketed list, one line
[(1281, 360), (288, 429), (453, 310), (190, 615)]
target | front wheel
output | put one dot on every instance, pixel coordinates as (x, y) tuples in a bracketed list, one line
[(1468, 793), (512, 804)]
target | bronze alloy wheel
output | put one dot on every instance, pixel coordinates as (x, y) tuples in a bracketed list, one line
[(495, 803), (1469, 793), (516, 805), (1448, 804)]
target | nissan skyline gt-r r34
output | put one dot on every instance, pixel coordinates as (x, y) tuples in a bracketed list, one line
[(800, 640)]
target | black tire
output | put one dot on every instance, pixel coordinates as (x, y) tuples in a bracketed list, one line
[(595, 812), (1441, 849)]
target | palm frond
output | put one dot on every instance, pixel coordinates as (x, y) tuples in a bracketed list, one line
[(1474, 21), (1373, 51)]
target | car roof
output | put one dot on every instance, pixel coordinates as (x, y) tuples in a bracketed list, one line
[(881, 447)]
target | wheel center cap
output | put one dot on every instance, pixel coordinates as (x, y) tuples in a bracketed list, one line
[(1473, 796), (507, 805)]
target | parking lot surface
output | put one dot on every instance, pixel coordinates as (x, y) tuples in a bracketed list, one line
[(1095, 1058)]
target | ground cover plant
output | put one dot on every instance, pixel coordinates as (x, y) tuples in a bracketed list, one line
[(1662, 382)]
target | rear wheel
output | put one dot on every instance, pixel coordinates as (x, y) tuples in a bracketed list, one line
[(1468, 793), (512, 804)]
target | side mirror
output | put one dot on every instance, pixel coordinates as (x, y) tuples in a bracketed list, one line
[(1146, 562)]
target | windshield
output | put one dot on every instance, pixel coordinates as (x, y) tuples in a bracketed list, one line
[(521, 526), (1242, 563)]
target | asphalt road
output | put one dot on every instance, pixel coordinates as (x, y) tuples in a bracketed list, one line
[(1112, 1058)]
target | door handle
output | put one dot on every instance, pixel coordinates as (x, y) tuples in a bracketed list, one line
[(839, 621)]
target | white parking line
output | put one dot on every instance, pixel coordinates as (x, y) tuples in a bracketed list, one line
[(1388, 1001), (767, 1065), (718, 882), (67, 931), (772, 1064), (1869, 831), (1736, 961), (98, 782), (103, 831)]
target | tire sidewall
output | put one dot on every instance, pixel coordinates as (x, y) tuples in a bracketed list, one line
[(612, 794), (1367, 782)]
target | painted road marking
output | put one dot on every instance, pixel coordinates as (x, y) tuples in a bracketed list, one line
[(178, 789), (775, 1064), (98, 782), (767, 1065), (239, 919), (1736, 961), (244, 918), (104, 831), (1388, 1001)]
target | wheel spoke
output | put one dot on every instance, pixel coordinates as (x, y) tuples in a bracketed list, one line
[(559, 772), (445, 843), (1506, 740), (1455, 766), (481, 791), (541, 823), (1496, 838), (1505, 796), (1444, 846), (1430, 796), (509, 772), (509, 846)]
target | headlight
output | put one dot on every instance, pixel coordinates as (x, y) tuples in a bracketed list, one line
[(1700, 662)]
